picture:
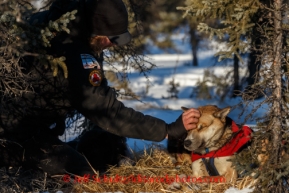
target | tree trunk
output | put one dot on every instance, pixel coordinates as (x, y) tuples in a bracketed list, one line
[(236, 76), (253, 67), (194, 44), (277, 95)]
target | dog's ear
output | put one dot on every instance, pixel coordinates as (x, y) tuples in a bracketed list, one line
[(185, 109), (222, 113)]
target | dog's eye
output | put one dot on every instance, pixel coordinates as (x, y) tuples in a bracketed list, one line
[(201, 126)]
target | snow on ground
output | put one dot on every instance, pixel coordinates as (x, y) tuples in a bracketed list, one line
[(235, 190)]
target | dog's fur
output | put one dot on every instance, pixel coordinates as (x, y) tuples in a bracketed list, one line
[(213, 132)]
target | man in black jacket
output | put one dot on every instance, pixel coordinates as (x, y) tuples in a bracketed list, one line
[(99, 24)]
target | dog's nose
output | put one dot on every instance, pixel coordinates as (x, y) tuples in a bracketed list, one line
[(187, 143)]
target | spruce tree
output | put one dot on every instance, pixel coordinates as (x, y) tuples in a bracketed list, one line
[(21, 39)]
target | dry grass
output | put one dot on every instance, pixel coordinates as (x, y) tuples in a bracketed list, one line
[(18, 180), (145, 176), (152, 171)]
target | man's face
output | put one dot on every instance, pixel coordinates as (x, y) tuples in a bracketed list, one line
[(99, 43)]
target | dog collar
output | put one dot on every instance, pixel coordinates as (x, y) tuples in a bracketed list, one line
[(242, 136)]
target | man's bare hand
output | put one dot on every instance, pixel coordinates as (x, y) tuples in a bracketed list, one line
[(190, 118)]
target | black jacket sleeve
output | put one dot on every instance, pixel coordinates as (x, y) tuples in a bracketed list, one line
[(102, 108)]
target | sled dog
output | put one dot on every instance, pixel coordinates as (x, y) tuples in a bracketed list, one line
[(213, 143)]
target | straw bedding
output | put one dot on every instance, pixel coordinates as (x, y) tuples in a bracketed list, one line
[(149, 171), (154, 171)]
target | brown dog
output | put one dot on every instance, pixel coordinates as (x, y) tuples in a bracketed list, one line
[(213, 143)]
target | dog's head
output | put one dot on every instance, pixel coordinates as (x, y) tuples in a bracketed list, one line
[(210, 129)]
